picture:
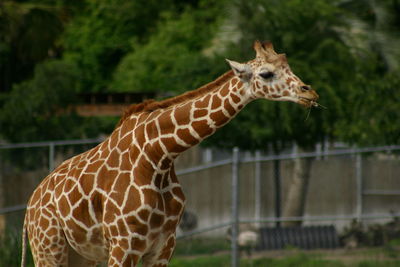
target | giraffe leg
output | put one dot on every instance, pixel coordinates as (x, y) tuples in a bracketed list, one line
[(46, 254), (161, 258), (48, 244)]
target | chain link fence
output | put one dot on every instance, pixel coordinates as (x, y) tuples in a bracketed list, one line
[(238, 190)]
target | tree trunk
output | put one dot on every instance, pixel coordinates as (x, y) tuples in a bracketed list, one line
[(296, 197)]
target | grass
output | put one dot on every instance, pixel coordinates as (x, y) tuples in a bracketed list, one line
[(297, 260), (224, 261), (215, 252), (199, 246)]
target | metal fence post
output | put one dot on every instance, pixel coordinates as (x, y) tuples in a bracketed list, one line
[(359, 187), (235, 208), (277, 189), (257, 187), (51, 156)]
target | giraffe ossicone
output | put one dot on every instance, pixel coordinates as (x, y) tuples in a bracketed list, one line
[(121, 201)]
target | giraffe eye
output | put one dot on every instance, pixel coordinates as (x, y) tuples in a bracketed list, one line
[(267, 75)]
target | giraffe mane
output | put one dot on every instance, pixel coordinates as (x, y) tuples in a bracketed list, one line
[(150, 105)]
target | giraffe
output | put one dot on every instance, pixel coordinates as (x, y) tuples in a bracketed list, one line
[(121, 201)]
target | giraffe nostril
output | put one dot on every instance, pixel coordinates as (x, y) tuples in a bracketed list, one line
[(306, 88)]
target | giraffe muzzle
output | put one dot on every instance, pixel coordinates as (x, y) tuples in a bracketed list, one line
[(308, 98)]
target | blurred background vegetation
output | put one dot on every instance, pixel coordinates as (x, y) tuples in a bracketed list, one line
[(348, 50)]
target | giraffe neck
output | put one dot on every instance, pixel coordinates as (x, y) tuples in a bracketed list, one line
[(187, 124), (160, 135)]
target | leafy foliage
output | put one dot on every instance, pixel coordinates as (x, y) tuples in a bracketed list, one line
[(172, 59), (316, 54), (347, 50), (23, 43), (372, 116), (312, 35), (99, 37), (37, 109)]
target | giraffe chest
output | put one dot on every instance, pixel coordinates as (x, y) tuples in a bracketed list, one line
[(146, 208), (147, 219)]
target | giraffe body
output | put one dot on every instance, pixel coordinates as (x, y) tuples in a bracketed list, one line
[(121, 201)]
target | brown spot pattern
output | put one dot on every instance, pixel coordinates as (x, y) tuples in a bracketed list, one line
[(127, 184)]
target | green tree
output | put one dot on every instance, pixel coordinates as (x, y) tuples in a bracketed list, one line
[(23, 40), (305, 31), (100, 36), (173, 60), (38, 109), (372, 115), (373, 97), (374, 25)]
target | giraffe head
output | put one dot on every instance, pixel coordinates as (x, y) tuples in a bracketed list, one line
[(269, 76)]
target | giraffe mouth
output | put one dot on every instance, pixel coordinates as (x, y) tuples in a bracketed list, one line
[(308, 98), (308, 102)]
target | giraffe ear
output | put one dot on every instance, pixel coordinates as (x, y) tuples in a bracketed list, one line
[(242, 70)]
